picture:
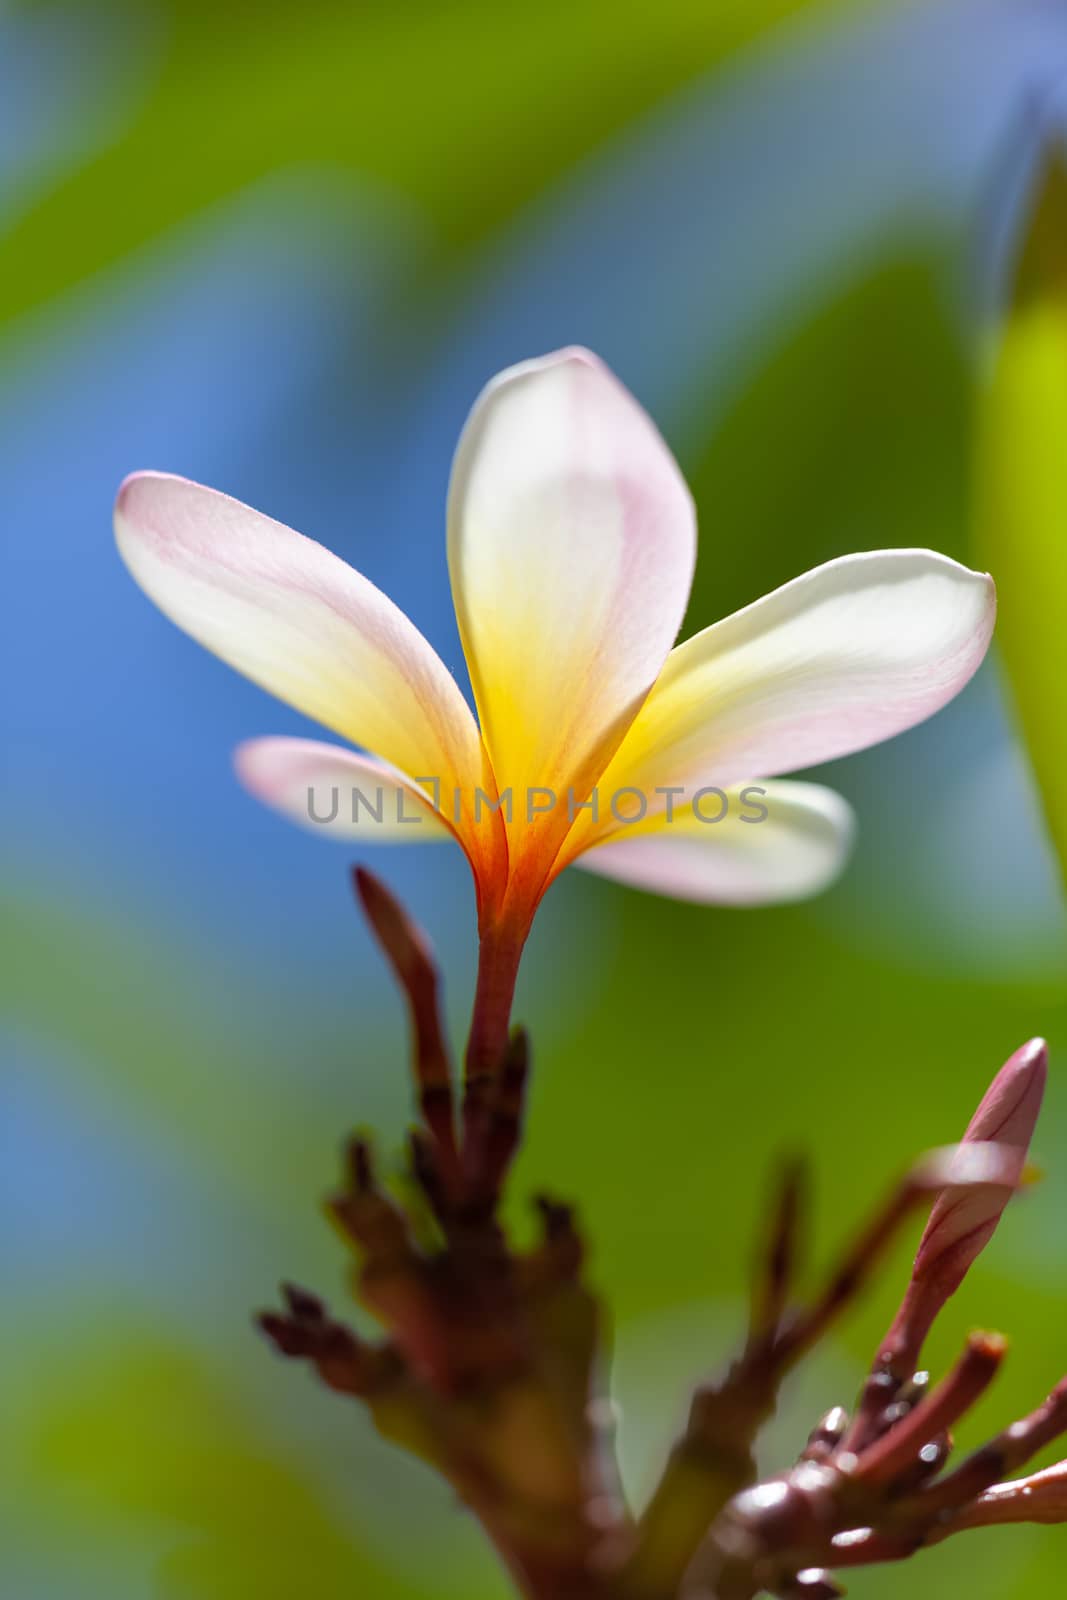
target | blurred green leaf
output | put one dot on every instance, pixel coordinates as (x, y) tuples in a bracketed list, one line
[(146, 1441), (468, 109), (850, 433), (1022, 488)]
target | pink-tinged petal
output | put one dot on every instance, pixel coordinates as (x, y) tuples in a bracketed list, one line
[(302, 624), (961, 1224), (337, 793), (776, 841), (841, 658), (572, 539)]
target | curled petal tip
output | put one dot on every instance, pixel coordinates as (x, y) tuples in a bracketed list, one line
[(144, 479), (122, 494), (578, 353)]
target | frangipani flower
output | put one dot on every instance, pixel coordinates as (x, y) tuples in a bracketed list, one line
[(571, 543)]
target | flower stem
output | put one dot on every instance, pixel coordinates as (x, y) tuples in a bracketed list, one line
[(487, 1047), (498, 968)]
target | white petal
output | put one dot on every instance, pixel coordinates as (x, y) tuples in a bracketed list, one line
[(336, 793), (571, 548), (842, 658), (299, 622), (793, 851)]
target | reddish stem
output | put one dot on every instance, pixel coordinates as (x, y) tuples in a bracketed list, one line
[(969, 1378), (487, 1047), (498, 967)]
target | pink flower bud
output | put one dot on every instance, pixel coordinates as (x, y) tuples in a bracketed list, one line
[(962, 1222)]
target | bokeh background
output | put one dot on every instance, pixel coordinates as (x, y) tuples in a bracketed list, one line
[(279, 248)]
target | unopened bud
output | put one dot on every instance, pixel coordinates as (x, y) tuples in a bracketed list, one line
[(964, 1218)]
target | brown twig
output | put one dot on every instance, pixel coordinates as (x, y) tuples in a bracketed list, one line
[(409, 954), (1011, 1449), (898, 1448), (492, 1136), (777, 1264)]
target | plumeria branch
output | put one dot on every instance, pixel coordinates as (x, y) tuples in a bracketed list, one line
[(715, 1458), (488, 1367), (492, 1367)]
